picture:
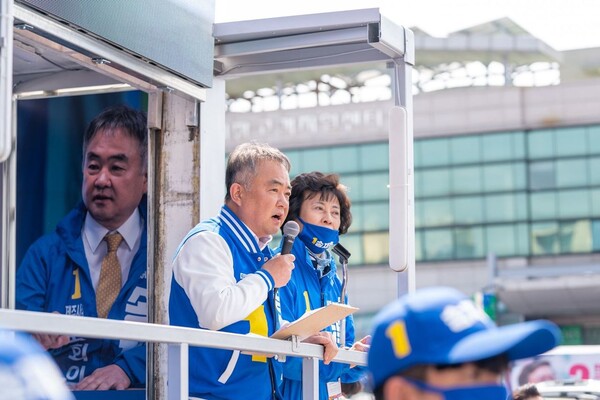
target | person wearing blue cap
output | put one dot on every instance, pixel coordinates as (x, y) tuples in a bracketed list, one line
[(27, 372), (436, 344)]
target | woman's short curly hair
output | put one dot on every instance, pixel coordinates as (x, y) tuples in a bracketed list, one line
[(310, 184)]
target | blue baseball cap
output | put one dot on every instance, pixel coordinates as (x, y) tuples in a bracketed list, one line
[(440, 326)]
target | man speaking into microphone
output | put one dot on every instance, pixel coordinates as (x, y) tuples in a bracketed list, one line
[(224, 274)]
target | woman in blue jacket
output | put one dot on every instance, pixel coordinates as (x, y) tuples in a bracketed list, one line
[(321, 207)]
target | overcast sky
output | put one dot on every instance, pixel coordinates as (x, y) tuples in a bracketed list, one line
[(563, 24)]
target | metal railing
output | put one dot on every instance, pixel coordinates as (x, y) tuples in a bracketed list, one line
[(178, 340)]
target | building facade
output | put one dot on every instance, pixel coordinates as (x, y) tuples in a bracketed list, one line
[(507, 193)]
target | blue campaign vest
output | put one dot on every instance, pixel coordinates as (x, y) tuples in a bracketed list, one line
[(304, 292), (248, 376)]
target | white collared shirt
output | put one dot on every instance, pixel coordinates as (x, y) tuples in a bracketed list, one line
[(95, 247), (262, 241)]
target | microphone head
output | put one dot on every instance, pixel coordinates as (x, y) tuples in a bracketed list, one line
[(291, 228)]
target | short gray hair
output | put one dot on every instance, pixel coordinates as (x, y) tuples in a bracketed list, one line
[(243, 160)]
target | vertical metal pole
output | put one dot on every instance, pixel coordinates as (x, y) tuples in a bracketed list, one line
[(154, 132), (492, 264), (6, 137), (178, 378), (174, 180), (402, 91), (6, 72), (8, 199), (212, 150), (11, 206), (310, 378)]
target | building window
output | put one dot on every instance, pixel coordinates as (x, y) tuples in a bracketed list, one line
[(543, 206), (506, 207), (540, 144), (571, 141), (374, 157), (376, 247), (465, 150), (545, 238), (571, 173), (432, 182), (467, 210), (504, 177), (438, 244), (501, 240), (434, 152), (574, 204), (435, 212), (345, 159), (466, 180), (468, 243), (576, 236), (518, 193), (542, 175), (503, 146)]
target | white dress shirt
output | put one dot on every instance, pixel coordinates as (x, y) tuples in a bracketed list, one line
[(95, 247)]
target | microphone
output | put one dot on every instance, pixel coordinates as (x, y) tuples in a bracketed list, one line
[(290, 231)]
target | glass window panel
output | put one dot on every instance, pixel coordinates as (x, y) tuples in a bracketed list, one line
[(594, 139), (419, 246), (434, 182), (418, 183), (596, 235), (419, 214), (501, 208), (571, 141), (375, 186), (497, 147), (468, 210), (499, 177), (542, 175), (541, 143), (353, 184), (521, 206), (466, 180), (465, 149), (353, 242), (594, 170), (571, 173), (576, 236), (437, 244), (543, 205), (574, 203), (518, 139), (501, 240), (522, 239), (436, 212), (595, 194), (468, 242), (434, 152), (295, 160), (520, 176), (376, 248), (374, 157), (376, 216), (316, 160), (344, 159), (544, 238), (357, 218), (417, 153)]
